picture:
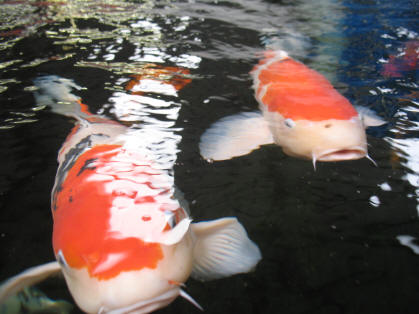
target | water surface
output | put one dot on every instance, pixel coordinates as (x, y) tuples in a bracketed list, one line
[(330, 237)]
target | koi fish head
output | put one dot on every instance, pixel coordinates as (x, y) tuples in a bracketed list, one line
[(136, 291), (122, 240), (328, 140), (306, 115)]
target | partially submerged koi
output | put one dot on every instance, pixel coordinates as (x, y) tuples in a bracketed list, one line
[(122, 235), (299, 111)]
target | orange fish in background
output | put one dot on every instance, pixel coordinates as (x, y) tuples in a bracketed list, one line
[(300, 111), (122, 235), (153, 74), (408, 61)]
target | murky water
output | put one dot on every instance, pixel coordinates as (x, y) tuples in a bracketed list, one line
[(333, 240)]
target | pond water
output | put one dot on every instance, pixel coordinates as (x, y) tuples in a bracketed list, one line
[(343, 238)]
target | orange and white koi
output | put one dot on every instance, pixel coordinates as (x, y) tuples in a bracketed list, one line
[(300, 111), (122, 235)]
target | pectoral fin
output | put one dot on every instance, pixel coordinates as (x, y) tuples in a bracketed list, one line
[(235, 135), (369, 117), (27, 278), (222, 249)]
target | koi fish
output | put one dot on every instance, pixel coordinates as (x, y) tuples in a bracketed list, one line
[(167, 80), (122, 234), (31, 300), (407, 61), (300, 111)]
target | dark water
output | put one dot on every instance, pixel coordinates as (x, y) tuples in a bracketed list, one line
[(329, 237)]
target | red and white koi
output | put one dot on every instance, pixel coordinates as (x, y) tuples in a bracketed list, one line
[(398, 65), (122, 236), (300, 111)]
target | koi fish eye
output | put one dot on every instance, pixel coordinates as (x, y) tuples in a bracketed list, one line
[(289, 123)]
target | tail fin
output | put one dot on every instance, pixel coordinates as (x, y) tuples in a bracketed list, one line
[(56, 92), (290, 40)]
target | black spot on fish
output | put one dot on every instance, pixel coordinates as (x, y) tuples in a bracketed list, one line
[(87, 165), (70, 159), (70, 199)]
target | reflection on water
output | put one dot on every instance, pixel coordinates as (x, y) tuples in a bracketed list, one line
[(401, 68), (407, 148), (333, 240), (155, 132)]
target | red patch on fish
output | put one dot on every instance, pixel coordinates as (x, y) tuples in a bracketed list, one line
[(298, 92), (82, 217)]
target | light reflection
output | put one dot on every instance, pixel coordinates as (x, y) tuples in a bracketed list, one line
[(375, 201), (154, 134), (385, 186), (402, 46), (407, 149), (149, 104), (148, 85), (110, 261), (409, 242), (145, 24)]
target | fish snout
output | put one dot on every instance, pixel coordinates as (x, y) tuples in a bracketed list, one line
[(345, 153), (146, 306)]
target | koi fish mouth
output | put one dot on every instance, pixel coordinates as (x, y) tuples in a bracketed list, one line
[(348, 153), (146, 306), (154, 304), (341, 154)]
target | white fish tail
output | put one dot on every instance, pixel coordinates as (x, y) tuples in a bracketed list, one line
[(57, 93)]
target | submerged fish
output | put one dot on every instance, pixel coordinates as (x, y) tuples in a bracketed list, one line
[(164, 80), (32, 300), (300, 111), (122, 236), (407, 61)]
